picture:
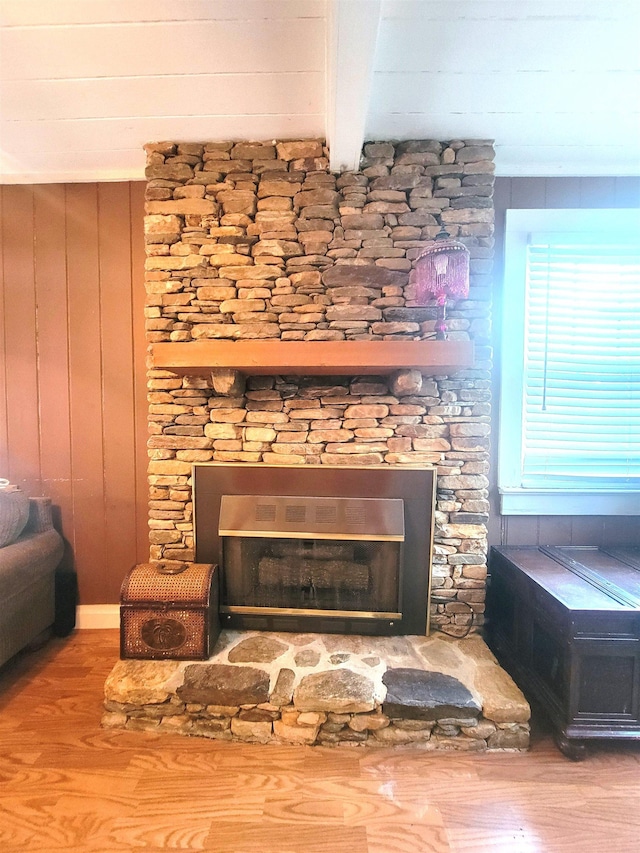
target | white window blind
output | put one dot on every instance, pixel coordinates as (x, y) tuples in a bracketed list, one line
[(569, 425), (581, 419)]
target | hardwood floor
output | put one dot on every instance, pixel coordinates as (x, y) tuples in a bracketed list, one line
[(67, 785)]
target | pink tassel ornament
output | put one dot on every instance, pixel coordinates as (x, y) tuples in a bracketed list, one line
[(441, 272)]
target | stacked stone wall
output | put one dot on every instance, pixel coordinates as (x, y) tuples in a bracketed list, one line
[(260, 241)]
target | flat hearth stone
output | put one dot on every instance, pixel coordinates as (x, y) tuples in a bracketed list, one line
[(420, 695), (339, 690), (307, 658), (141, 682), (326, 690), (503, 701), (257, 650), (216, 684)]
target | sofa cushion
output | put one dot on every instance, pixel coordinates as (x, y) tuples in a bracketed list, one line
[(27, 560)]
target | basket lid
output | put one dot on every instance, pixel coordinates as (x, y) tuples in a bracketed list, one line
[(147, 582)]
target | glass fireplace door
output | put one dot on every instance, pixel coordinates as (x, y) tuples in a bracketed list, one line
[(294, 555)]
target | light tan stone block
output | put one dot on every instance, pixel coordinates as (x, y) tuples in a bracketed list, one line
[(357, 459), (366, 411), (247, 730), (368, 722), (140, 682), (260, 434), (311, 718), (299, 149), (236, 456), (169, 466), (318, 414), (224, 258), (413, 458), (215, 293), (227, 431), (336, 435), (295, 734), (236, 331), (182, 207), (174, 262), (258, 271), (283, 459)]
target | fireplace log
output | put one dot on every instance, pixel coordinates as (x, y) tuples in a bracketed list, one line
[(318, 551), (323, 574)]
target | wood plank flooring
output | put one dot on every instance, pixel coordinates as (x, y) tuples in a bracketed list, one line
[(67, 785)]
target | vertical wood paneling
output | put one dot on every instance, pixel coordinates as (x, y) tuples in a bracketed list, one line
[(53, 347), (554, 530), (4, 407), (525, 193), (562, 192), (597, 192), (116, 345), (626, 192), (136, 205), (587, 530), (85, 368), (20, 339), (72, 368)]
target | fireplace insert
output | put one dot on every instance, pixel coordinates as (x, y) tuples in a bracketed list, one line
[(289, 555), (314, 548)]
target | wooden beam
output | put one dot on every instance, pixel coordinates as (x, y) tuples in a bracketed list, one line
[(351, 45), (313, 358)]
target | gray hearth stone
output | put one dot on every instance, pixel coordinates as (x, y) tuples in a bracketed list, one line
[(339, 690), (410, 315), (423, 695), (257, 650), (340, 658), (307, 657), (217, 684), (368, 275)]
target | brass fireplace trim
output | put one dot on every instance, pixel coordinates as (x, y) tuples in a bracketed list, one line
[(307, 611), (382, 519)]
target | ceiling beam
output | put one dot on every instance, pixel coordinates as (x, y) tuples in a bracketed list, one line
[(351, 45)]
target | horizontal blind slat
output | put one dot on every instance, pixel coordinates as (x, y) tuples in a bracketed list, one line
[(582, 362)]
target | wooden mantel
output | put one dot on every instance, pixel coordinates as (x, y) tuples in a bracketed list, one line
[(312, 358)]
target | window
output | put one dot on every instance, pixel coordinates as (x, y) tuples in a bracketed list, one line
[(569, 436)]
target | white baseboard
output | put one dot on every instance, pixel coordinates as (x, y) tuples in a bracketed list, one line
[(97, 616)]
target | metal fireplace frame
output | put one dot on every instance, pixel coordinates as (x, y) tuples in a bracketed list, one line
[(414, 485)]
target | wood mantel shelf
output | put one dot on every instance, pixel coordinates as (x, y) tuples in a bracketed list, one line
[(312, 358)]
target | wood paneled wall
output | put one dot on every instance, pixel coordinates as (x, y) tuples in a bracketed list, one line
[(72, 379), (521, 193)]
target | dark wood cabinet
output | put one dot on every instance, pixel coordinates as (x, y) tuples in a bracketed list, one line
[(565, 622)]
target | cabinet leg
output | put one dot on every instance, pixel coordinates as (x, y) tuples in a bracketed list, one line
[(571, 748)]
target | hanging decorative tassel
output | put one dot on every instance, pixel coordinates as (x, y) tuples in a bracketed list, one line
[(441, 272)]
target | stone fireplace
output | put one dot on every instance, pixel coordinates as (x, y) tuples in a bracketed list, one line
[(292, 378), (259, 245)]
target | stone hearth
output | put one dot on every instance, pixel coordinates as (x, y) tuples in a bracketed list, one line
[(431, 692)]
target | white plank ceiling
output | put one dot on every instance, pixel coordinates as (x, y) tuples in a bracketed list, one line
[(85, 83)]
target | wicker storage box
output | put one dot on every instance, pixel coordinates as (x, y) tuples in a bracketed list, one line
[(169, 613)]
